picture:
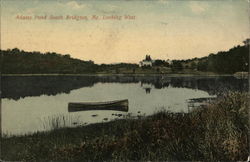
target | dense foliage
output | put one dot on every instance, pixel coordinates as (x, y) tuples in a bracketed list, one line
[(176, 65), (17, 61), (236, 59), (159, 62)]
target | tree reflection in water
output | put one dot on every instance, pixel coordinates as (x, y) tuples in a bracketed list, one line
[(16, 87)]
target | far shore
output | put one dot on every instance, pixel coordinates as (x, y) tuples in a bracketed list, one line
[(127, 74)]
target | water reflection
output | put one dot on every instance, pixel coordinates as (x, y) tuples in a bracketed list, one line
[(147, 87), (147, 90), (29, 100), (16, 87)]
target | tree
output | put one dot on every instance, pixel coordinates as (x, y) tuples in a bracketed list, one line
[(202, 66), (176, 65), (246, 42), (193, 65), (160, 63)]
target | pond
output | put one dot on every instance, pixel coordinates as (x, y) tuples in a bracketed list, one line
[(35, 103)]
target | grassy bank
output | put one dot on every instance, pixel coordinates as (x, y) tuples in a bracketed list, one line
[(218, 132)]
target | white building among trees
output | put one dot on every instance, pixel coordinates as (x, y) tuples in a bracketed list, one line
[(146, 62)]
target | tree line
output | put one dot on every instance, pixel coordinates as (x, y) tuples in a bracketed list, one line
[(15, 61), (234, 60)]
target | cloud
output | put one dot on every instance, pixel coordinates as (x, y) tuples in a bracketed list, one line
[(163, 2), (26, 12), (163, 23), (30, 11), (198, 7), (112, 7), (107, 9), (75, 5)]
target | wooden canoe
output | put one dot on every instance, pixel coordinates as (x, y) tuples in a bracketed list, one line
[(118, 105)]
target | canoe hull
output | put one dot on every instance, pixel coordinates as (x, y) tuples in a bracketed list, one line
[(119, 105)]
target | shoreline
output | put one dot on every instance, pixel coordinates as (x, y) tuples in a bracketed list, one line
[(141, 74)]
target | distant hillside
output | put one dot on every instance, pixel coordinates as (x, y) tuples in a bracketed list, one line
[(231, 61), (236, 59), (17, 61)]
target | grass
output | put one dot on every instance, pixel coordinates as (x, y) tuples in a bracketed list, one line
[(59, 121), (218, 132)]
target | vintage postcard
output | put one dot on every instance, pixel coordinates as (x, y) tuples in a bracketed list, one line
[(124, 80)]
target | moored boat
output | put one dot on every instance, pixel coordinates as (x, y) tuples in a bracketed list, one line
[(118, 105)]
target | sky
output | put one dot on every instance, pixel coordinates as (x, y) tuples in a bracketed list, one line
[(164, 29)]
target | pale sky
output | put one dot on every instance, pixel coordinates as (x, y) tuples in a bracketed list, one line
[(163, 29)]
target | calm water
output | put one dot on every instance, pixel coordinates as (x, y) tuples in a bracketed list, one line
[(29, 102)]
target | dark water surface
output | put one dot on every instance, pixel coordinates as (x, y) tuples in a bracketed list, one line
[(34, 103)]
